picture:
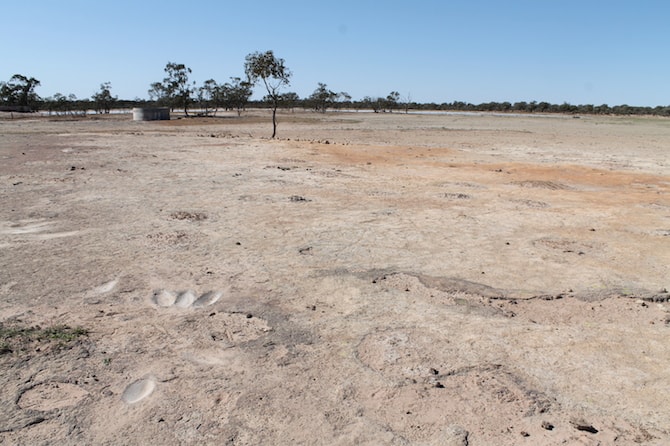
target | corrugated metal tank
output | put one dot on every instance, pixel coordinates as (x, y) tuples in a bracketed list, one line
[(151, 114)]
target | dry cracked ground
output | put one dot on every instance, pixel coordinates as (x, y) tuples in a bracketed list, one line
[(366, 279)]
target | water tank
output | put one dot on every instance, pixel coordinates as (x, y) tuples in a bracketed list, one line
[(151, 114)]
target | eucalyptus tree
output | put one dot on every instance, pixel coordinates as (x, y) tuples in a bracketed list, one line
[(272, 71), (392, 100), (20, 90), (236, 94), (103, 99), (177, 85), (376, 104), (175, 90), (343, 98), (208, 95), (157, 93), (322, 98), (289, 100)]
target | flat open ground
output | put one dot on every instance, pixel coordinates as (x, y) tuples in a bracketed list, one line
[(366, 279)]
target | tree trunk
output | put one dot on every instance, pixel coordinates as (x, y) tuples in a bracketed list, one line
[(274, 119)]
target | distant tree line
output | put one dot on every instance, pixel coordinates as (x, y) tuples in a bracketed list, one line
[(546, 107), (177, 92)]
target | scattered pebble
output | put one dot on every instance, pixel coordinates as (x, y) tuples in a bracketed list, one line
[(298, 199), (582, 425), (547, 425)]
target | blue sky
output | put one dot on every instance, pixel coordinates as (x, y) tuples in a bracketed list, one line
[(576, 51)]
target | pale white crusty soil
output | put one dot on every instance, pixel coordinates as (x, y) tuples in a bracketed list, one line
[(365, 279)]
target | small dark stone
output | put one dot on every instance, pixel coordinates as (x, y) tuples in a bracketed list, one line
[(524, 434), (238, 243), (582, 425), (547, 425), (249, 315), (73, 168), (434, 371), (298, 199), (439, 385)]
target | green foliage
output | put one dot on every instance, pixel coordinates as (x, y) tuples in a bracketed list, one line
[(273, 73), (268, 68), (235, 94), (175, 90), (207, 95), (103, 99), (322, 98), (374, 104), (157, 93), (65, 105), (16, 338), (392, 100), (20, 92), (289, 100)]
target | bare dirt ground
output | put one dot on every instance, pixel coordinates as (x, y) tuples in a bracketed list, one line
[(366, 279)]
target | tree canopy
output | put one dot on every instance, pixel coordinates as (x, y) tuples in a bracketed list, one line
[(175, 90), (322, 98), (20, 91), (103, 99)]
